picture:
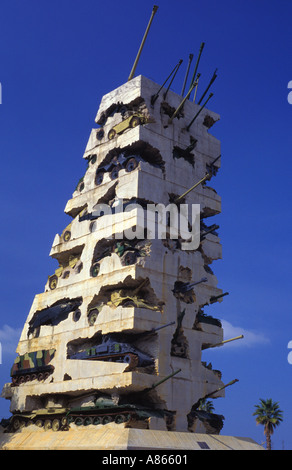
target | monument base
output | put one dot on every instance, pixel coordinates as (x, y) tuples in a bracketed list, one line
[(121, 439)]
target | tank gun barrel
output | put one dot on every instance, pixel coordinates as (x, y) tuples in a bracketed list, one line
[(214, 298), (191, 56), (177, 67), (191, 189), (206, 177), (182, 103), (153, 330), (154, 97), (200, 110), (165, 378), (211, 229), (208, 346), (208, 87), (154, 10), (209, 395), (198, 60)]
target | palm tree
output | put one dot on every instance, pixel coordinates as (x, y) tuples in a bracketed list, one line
[(270, 416), (206, 405)]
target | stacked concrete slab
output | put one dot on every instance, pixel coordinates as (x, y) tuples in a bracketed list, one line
[(111, 286)]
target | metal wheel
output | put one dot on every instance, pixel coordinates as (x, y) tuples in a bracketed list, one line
[(53, 282), (131, 359), (88, 420), (106, 419), (56, 424), (47, 425), (39, 423), (96, 420), (79, 421), (95, 269), (115, 172), (17, 424), (67, 236), (100, 134), (111, 135), (92, 317), (129, 258), (135, 121), (119, 419), (99, 177), (131, 164)]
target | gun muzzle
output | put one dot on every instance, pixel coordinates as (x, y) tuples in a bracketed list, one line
[(154, 97), (214, 298), (208, 346), (198, 60), (207, 176), (154, 10), (208, 87)]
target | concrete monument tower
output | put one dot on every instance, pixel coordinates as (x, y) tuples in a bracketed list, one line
[(116, 340)]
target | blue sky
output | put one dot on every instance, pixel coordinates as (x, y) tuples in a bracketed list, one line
[(57, 60)]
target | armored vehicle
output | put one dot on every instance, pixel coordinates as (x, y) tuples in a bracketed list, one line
[(130, 122), (31, 366), (112, 350), (64, 270), (53, 315), (117, 163), (105, 410)]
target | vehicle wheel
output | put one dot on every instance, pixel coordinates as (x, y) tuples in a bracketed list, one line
[(67, 236), (79, 421), (76, 315), (106, 419), (39, 423), (88, 420), (100, 134), (135, 121), (47, 425), (119, 419), (95, 270), (96, 420), (99, 177), (132, 360), (131, 164), (17, 424), (129, 258), (111, 135), (56, 424), (92, 317), (115, 172), (40, 376), (53, 282)]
